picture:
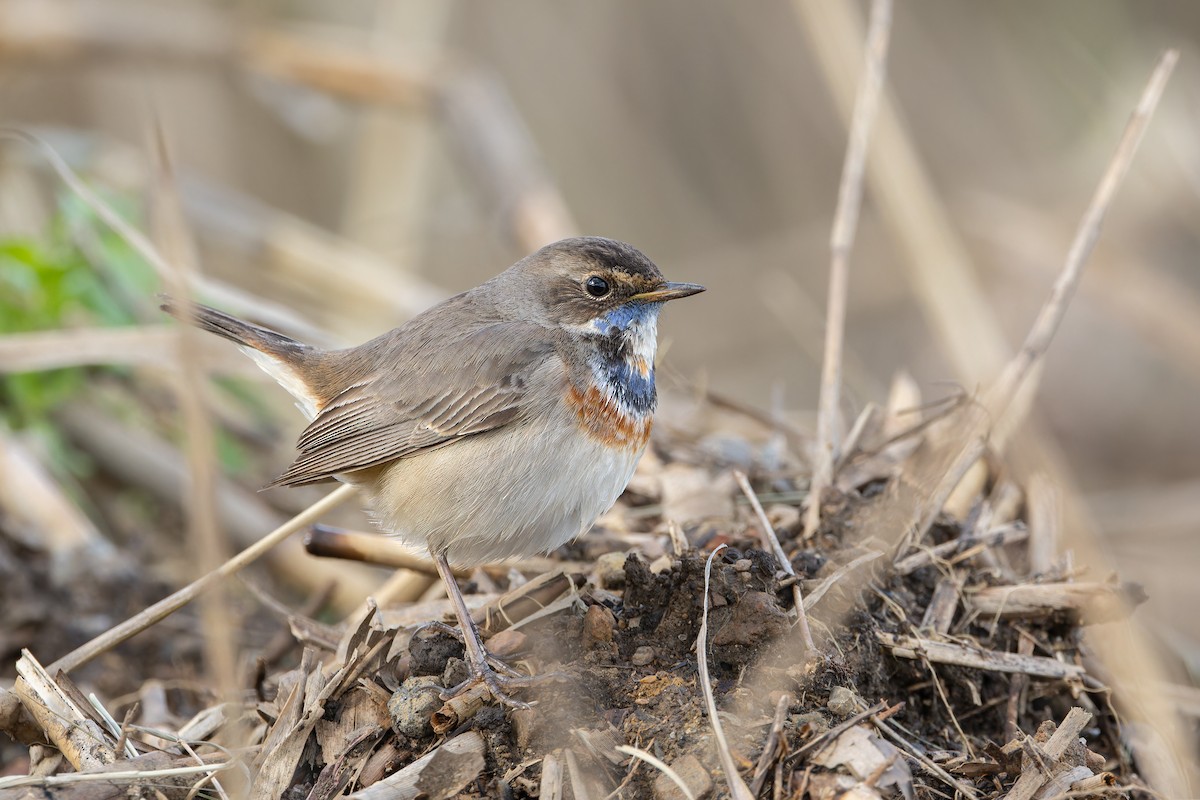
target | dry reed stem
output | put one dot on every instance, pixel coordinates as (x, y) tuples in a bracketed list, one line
[(131, 776), (500, 153), (355, 74), (845, 224), (909, 207), (824, 586), (737, 787), (44, 350), (1037, 341), (172, 603), (771, 543), (209, 544), (977, 658), (370, 548)]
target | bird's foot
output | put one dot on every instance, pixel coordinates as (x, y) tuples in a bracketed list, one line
[(449, 630), (499, 686)]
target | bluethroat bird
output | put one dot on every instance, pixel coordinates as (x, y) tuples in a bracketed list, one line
[(501, 422)]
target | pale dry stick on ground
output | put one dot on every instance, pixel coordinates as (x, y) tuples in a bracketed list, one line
[(172, 603), (771, 542), (841, 240), (737, 787), (76, 778)]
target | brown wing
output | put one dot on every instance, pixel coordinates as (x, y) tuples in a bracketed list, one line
[(479, 384)]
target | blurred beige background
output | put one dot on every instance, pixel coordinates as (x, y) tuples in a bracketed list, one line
[(707, 134)]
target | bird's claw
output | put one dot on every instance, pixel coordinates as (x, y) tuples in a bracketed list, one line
[(499, 686)]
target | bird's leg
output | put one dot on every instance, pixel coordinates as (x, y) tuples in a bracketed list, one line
[(477, 659)]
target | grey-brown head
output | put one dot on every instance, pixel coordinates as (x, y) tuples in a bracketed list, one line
[(582, 282)]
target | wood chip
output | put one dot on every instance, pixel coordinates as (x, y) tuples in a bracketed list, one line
[(978, 658), (461, 760)]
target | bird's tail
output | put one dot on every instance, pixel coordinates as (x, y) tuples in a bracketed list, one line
[(286, 360)]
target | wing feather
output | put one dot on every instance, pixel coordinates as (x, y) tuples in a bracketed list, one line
[(373, 422)]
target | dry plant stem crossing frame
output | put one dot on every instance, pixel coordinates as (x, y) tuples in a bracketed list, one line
[(1050, 317), (172, 603), (737, 787), (841, 241), (771, 543)]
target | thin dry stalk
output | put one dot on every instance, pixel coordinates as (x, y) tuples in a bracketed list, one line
[(996, 537), (1021, 367), (737, 786), (1016, 689), (884, 727), (938, 260), (845, 224), (940, 689), (771, 543), (208, 542), (132, 236), (172, 603), (659, 765), (816, 594), (763, 767), (131, 776), (44, 350)]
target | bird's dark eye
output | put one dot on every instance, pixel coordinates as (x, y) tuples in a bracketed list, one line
[(596, 286)]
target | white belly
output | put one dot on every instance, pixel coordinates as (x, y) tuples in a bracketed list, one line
[(502, 494)]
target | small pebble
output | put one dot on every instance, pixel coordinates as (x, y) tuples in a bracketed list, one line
[(506, 643), (642, 656), (598, 625), (742, 565), (843, 702), (456, 672), (413, 704), (691, 772)]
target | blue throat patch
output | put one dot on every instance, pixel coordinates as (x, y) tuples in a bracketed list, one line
[(614, 367)]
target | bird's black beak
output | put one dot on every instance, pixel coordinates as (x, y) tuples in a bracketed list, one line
[(669, 291)]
